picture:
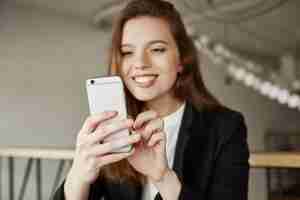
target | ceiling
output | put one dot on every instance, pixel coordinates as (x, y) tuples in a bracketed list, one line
[(262, 28)]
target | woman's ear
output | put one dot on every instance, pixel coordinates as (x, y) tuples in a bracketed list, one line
[(179, 68)]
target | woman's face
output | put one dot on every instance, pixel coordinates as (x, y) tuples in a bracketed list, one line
[(149, 58)]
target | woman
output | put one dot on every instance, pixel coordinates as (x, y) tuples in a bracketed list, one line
[(186, 145)]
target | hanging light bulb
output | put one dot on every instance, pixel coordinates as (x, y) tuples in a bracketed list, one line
[(249, 79), (231, 68), (221, 50), (283, 96), (246, 72), (218, 49), (218, 60), (199, 45), (294, 101), (265, 88), (240, 74), (204, 39), (257, 83), (274, 92)]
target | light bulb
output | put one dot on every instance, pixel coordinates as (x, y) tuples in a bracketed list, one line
[(219, 49), (198, 44), (265, 87), (274, 93), (257, 83), (294, 101), (240, 74), (231, 69), (204, 40), (283, 96), (249, 79), (218, 59)]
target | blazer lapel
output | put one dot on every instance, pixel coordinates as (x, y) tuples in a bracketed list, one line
[(183, 137)]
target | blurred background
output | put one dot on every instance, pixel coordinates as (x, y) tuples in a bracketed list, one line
[(250, 61)]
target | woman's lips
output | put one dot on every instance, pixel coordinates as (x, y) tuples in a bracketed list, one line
[(145, 81)]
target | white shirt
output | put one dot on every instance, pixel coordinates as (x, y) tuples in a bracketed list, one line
[(172, 124)]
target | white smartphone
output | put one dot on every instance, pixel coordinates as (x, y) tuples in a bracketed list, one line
[(107, 93)]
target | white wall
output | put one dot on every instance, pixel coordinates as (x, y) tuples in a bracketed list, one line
[(44, 61)]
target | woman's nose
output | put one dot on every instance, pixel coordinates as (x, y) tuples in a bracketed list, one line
[(141, 61)]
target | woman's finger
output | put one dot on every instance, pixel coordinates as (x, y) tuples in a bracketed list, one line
[(93, 121), (111, 158), (144, 117), (155, 138), (102, 131), (153, 126), (106, 148)]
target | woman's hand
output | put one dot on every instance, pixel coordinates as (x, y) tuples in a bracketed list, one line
[(91, 154), (149, 157)]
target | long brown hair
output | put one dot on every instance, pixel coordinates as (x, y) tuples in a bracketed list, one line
[(189, 85)]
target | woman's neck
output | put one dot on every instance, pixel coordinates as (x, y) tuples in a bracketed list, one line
[(164, 106)]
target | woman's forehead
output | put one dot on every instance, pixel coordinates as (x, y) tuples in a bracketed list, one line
[(146, 29)]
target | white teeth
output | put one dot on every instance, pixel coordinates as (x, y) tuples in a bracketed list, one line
[(144, 79)]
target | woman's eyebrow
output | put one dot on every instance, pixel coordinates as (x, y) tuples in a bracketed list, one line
[(149, 43), (158, 41)]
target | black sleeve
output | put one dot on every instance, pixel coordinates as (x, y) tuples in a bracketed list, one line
[(231, 172)]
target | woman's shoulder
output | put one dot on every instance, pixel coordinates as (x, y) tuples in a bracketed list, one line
[(222, 121), (218, 114), (225, 114), (220, 126)]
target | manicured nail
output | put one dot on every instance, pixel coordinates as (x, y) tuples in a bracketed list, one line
[(136, 136)]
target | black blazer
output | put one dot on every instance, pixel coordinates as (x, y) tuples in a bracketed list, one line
[(211, 160)]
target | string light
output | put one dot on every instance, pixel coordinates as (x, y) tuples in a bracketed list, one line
[(249, 73)]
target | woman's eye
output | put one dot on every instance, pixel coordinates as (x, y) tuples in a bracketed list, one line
[(126, 53), (159, 50)]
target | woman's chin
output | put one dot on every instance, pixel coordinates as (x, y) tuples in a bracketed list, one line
[(143, 97)]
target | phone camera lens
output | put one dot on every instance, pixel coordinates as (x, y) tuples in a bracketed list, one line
[(92, 81)]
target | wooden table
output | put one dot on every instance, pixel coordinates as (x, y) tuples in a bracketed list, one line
[(37, 152), (275, 160), (33, 154), (257, 160)]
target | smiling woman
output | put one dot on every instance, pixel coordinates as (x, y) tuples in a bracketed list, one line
[(186, 145), (149, 59)]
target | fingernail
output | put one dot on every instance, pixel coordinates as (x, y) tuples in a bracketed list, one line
[(130, 122), (111, 112), (136, 136)]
